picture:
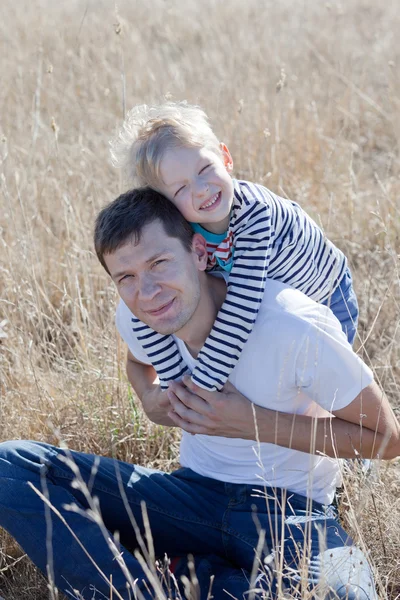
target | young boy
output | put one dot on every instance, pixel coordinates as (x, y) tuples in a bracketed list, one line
[(250, 232)]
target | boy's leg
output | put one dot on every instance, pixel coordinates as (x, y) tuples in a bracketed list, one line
[(46, 537), (344, 305)]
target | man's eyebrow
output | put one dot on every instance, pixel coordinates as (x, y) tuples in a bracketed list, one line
[(156, 255), (149, 260)]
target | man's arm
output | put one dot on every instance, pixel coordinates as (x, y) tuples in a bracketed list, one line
[(154, 400), (366, 428)]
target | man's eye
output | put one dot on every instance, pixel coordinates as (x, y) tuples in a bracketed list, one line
[(125, 278), (180, 189), (204, 168), (158, 262)]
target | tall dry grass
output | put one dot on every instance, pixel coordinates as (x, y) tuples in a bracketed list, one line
[(307, 97)]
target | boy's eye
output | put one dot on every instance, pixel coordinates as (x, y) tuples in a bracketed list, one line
[(204, 168), (177, 192)]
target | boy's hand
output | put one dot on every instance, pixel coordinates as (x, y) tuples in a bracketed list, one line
[(227, 413)]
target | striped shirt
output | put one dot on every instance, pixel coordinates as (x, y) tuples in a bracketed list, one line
[(219, 248), (268, 236)]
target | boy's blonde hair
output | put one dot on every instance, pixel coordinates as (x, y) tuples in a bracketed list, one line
[(148, 131)]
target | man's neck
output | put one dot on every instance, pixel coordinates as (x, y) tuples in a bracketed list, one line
[(197, 330)]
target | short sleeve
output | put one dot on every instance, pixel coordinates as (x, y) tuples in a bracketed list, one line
[(327, 368), (123, 321)]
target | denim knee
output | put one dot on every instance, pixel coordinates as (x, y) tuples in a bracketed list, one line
[(9, 453), (346, 574), (351, 592), (22, 459)]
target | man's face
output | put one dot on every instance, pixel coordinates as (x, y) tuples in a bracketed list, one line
[(158, 279)]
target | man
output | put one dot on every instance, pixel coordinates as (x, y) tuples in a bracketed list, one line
[(254, 510)]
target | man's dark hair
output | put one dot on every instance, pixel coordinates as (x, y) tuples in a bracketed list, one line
[(123, 220)]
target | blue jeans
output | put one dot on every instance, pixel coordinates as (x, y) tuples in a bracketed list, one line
[(188, 513), (343, 303)]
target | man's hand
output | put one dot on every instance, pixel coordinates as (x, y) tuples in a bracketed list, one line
[(155, 402), (227, 413), (366, 428), (156, 405)]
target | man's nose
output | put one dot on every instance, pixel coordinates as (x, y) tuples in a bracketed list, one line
[(148, 288)]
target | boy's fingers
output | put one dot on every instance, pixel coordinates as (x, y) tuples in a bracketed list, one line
[(188, 381), (228, 387), (199, 391)]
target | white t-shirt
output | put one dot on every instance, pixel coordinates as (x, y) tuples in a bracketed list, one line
[(297, 360)]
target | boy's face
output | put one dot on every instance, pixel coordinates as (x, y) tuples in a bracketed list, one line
[(198, 182)]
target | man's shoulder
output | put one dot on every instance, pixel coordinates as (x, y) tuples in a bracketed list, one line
[(284, 298), (122, 314), (293, 310), (123, 320), (124, 324)]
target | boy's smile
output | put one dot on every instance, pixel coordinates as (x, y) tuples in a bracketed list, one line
[(211, 204), (198, 182)]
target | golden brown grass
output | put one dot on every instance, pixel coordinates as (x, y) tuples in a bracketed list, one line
[(307, 97)]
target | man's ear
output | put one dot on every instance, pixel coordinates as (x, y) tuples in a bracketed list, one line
[(226, 157), (199, 247)]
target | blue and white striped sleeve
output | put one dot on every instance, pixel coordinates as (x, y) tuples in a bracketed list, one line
[(148, 346), (251, 223)]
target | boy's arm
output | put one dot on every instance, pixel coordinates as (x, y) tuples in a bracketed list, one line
[(253, 233), (126, 324), (366, 428), (155, 402)]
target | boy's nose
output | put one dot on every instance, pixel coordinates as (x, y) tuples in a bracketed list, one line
[(202, 189)]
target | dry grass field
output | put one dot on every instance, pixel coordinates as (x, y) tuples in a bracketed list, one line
[(307, 97)]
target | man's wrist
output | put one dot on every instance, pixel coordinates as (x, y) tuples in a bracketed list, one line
[(156, 406), (263, 426), (148, 399)]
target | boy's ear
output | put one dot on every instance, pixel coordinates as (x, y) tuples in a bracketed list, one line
[(226, 157), (199, 247)]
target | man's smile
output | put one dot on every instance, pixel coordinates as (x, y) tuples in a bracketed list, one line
[(160, 310)]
